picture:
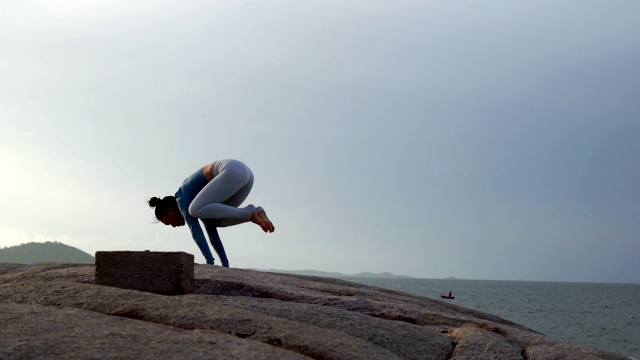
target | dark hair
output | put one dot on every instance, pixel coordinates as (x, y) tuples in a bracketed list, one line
[(161, 205)]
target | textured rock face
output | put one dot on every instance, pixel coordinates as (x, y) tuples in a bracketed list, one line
[(166, 273), (77, 334), (476, 343), (58, 311)]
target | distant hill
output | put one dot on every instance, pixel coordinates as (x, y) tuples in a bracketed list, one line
[(31, 253), (341, 275)]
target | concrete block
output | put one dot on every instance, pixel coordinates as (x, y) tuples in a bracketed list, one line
[(166, 273)]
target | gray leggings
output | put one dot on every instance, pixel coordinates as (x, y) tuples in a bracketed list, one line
[(221, 197)]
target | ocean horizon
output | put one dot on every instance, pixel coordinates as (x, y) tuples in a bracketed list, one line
[(602, 315), (386, 274)]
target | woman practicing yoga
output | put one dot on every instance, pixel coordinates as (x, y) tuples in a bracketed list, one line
[(212, 194)]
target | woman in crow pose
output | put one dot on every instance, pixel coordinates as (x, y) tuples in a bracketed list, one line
[(212, 194)]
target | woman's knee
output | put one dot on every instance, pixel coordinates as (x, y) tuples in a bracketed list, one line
[(194, 210)]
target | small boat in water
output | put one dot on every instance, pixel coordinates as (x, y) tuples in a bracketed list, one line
[(450, 296)]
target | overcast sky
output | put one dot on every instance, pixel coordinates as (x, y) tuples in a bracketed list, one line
[(481, 140)]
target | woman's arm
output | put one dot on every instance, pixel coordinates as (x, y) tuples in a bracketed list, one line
[(196, 232), (214, 238), (198, 237)]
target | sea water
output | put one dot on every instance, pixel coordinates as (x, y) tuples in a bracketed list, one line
[(604, 316)]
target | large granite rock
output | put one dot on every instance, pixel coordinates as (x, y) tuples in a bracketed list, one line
[(57, 311), (165, 273)]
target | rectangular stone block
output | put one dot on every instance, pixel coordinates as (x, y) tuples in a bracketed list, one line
[(166, 273)]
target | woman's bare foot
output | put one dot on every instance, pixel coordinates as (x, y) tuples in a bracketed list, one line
[(263, 215), (256, 219)]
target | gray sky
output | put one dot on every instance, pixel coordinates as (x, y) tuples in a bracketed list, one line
[(482, 140)]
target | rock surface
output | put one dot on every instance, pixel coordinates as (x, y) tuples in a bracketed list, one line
[(57, 311)]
